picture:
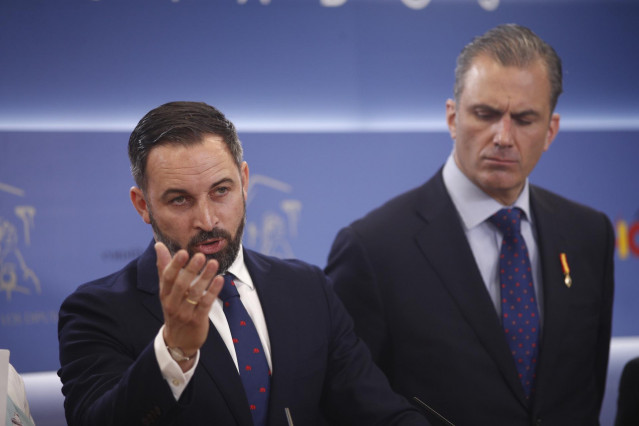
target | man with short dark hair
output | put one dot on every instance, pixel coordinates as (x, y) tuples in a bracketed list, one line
[(198, 330), (488, 298)]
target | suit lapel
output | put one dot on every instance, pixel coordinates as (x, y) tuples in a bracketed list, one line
[(551, 242), (281, 334), (216, 361), (445, 247), (148, 282)]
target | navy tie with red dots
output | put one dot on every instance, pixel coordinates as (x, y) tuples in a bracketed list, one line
[(254, 370), (519, 313)]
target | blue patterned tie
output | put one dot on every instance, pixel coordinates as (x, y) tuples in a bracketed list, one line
[(520, 317), (254, 370)]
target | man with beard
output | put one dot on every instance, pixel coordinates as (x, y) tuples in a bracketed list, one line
[(166, 340)]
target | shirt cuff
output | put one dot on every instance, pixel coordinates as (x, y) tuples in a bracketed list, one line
[(171, 371)]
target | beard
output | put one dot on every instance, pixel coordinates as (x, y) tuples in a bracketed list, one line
[(224, 257)]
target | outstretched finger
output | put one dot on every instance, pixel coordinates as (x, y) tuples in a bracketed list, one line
[(169, 268), (209, 296), (163, 256), (203, 280)]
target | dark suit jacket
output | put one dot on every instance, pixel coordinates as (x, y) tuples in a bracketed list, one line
[(408, 277), (321, 371), (628, 399)]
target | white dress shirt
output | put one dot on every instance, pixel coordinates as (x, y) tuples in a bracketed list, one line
[(474, 207), (172, 372)]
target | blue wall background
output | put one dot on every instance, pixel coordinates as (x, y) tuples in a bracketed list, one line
[(339, 108)]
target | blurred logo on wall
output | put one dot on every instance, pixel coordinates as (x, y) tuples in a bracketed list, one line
[(488, 5), (273, 217), (628, 238), (16, 224)]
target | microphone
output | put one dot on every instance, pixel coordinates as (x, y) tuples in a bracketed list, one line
[(289, 419), (434, 417)]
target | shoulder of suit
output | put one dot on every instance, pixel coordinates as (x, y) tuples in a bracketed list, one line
[(561, 203), (275, 263), (113, 283), (400, 209)]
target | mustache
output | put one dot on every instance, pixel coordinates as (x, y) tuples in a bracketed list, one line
[(214, 233)]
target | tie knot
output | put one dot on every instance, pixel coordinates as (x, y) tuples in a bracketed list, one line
[(508, 221), (229, 290)]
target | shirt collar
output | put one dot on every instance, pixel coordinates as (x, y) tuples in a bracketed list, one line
[(474, 205), (238, 268)]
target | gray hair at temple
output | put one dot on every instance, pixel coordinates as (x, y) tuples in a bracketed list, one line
[(511, 45), (183, 123)]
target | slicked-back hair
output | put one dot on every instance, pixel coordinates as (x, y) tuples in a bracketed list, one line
[(183, 123), (511, 45)]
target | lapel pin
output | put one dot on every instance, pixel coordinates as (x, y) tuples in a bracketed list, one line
[(566, 269)]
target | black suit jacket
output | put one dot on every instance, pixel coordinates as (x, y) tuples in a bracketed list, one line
[(628, 399), (408, 277), (321, 371)]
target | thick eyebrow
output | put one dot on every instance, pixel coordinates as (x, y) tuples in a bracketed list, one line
[(484, 108), (525, 113), (171, 192)]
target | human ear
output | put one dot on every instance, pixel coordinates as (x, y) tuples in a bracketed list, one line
[(244, 176), (140, 204), (553, 129), (451, 116)]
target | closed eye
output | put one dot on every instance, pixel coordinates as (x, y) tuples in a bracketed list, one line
[(522, 122), (487, 114), (525, 119)]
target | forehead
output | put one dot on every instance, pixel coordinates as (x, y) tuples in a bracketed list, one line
[(175, 162), (488, 81)]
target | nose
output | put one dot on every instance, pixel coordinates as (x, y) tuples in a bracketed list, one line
[(204, 216), (503, 131)]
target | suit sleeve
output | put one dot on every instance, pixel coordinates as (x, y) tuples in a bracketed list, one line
[(356, 390), (356, 283), (109, 378), (628, 401)]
